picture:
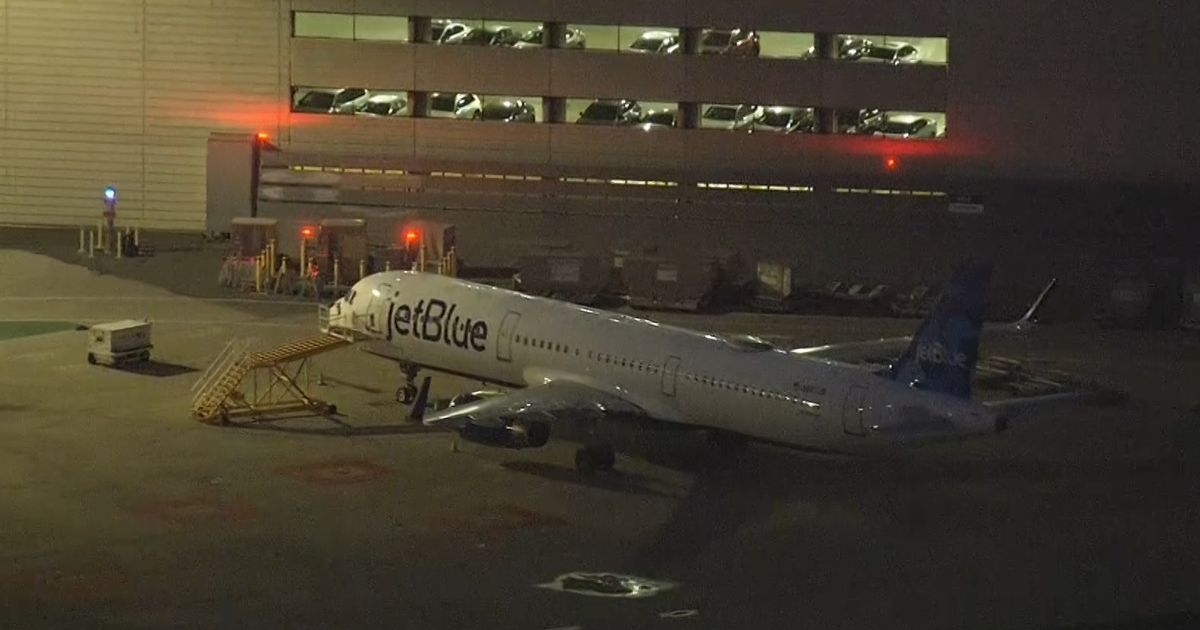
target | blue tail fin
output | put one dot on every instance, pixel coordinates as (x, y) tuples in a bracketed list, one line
[(943, 353)]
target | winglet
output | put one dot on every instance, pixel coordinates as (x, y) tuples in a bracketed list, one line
[(1029, 319), (943, 353)]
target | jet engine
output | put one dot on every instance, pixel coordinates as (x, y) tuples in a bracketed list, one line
[(516, 434)]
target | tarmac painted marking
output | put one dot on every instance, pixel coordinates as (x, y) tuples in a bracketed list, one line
[(337, 472), (678, 614), (194, 510)]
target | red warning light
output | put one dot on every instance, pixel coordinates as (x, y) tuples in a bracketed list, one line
[(410, 236), (306, 232), (263, 137), (890, 163)]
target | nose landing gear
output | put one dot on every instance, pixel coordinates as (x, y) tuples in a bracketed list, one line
[(407, 393)]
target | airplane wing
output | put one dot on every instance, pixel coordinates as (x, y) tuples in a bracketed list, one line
[(546, 402), (1018, 408), (885, 349)]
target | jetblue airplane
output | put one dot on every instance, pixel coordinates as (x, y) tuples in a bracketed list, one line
[(565, 362)]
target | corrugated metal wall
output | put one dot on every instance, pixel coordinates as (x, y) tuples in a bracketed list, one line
[(125, 92)]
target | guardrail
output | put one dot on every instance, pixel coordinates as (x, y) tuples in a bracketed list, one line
[(230, 354)]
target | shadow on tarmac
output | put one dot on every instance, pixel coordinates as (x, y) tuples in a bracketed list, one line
[(615, 480), (158, 369), (331, 425)]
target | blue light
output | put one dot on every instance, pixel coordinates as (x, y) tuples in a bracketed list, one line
[(110, 193)]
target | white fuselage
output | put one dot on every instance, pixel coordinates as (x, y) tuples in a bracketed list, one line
[(674, 374)]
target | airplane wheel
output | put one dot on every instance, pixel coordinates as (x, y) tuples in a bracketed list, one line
[(583, 463), (606, 458), (592, 459)]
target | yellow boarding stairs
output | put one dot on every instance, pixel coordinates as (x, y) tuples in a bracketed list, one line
[(231, 386)]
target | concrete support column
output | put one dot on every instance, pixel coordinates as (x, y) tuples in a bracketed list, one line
[(555, 34), (826, 46), (689, 116), (826, 120), (554, 109), (420, 29), (418, 104), (689, 40)]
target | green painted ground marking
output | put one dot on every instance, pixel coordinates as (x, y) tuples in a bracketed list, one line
[(16, 330)]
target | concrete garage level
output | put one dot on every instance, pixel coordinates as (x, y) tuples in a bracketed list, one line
[(120, 511)]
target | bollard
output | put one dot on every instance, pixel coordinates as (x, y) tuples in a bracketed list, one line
[(337, 274), (362, 268), (258, 273), (119, 246), (421, 259), (137, 236), (271, 257), (387, 265), (453, 261), (91, 244), (82, 240), (303, 256)]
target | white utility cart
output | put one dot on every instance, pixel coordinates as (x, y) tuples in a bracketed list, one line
[(118, 343)]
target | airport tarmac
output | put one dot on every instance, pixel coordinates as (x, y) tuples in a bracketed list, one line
[(120, 511)]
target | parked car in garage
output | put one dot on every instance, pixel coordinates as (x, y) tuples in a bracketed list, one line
[(536, 38), (497, 35), (661, 42), (332, 101), (440, 30), (731, 117), (460, 106), (849, 48), (907, 126), (611, 112), (659, 118), (515, 110), (785, 119), (384, 105), (724, 41), (894, 53), (859, 121)]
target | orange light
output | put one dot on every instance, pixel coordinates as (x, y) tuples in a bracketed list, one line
[(410, 236), (306, 232), (263, 137), (890, 163)]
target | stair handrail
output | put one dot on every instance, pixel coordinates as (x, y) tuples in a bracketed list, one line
[(233, 351)]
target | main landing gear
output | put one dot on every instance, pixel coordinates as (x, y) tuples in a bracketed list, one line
[(593, 458), (595, 455), (407, 393)]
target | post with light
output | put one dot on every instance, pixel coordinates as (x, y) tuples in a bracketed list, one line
[(110, 218)]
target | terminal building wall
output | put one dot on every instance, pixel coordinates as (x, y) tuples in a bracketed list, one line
[(1047, 109)]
